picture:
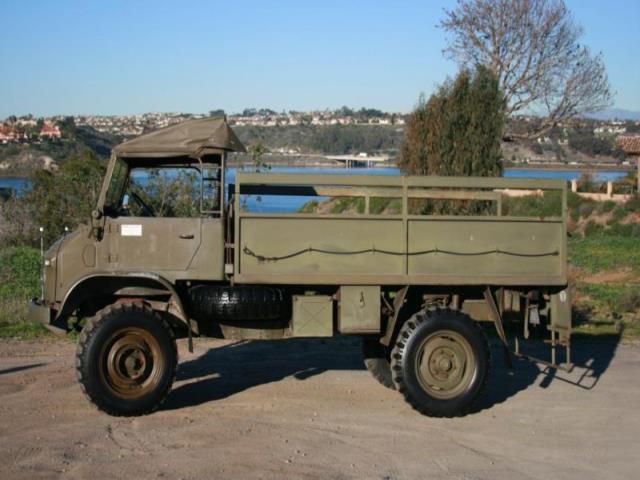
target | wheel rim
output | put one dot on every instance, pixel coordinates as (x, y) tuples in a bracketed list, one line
[(131, 363), (445, 364)]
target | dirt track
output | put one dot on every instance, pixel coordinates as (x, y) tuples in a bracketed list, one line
[(307, 409)]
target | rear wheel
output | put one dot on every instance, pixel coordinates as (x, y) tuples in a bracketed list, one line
[(126, 359), (440, 362), (376, 359)]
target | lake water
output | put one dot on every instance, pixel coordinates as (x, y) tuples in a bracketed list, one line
[(274, 203), (15, 183)]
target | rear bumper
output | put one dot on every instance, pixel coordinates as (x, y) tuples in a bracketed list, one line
[(39, 313)]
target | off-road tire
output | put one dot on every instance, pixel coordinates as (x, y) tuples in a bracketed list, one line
[(376, 360), (411, 347), (93, 352)]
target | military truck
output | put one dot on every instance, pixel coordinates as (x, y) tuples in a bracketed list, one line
[(416, 283)]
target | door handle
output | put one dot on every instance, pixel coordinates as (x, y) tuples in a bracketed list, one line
[(186, 236)]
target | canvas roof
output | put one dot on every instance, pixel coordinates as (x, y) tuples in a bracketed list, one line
[(191, 138)]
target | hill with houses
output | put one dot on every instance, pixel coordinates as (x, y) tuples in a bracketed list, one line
[(28, 143)]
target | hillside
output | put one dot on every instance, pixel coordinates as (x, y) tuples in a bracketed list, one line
[(18, 159), (325, 139), (577, 146)]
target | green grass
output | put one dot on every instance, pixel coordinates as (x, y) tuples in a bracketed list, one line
[(19, 282), (19, 273), (616, 297), (608, 309), (22, 330), (603, 251), (547, 205)]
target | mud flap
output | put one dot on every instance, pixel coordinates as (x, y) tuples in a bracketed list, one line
[(560, 328), (560, 324)]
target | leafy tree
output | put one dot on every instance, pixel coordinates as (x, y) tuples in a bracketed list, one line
[(534, 49), (584, 140), (64, 198), (67, 127), (257, 151), (345, 111), (458, 130)]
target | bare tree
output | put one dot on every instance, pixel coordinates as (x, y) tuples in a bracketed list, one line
[(533, 47)]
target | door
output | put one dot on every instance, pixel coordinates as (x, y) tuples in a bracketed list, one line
[(154, 244), (158, 226)]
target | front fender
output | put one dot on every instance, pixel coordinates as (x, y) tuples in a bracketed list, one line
[(110, 283)]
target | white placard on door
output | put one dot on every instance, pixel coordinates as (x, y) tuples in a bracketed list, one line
[(131, 230)]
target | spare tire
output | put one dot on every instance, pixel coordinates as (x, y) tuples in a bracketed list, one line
[(243, 302)]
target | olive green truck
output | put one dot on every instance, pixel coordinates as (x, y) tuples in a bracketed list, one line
[(416, 266)]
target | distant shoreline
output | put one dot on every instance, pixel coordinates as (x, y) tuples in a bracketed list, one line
[(554, 168), (573, 168)]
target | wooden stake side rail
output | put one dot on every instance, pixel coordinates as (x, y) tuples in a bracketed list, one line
[(309, 248)]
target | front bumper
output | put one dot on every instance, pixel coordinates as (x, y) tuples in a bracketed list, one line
[(39, 313)]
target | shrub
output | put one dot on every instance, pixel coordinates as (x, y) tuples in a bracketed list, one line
[(587, 184), (633, 204), (347, 205), (606, 206), (19, 273), (617, 215), (309, 207), (19, 281), (629, 300), (64, 198), (625, 230), (575, 216), (592, 228), (585, 209), (574, 200)]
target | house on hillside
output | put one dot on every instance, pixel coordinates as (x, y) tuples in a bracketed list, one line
[(50, 131), (6, 134), (630, 145)]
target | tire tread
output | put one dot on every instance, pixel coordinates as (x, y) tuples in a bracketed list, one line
[(92, 327), (399, 352)]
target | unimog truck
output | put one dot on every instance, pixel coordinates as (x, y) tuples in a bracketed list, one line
[(415, 266)]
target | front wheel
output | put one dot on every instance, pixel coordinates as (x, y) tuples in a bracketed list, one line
[(440, 362), (126, 359)]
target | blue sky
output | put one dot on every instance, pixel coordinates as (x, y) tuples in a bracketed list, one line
[(124, 57)]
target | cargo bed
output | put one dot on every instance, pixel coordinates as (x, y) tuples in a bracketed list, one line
[(398, 249)]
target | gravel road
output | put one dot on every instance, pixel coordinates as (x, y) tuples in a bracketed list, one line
[(307, 409)]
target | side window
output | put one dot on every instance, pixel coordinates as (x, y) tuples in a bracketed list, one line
[(163, 192)]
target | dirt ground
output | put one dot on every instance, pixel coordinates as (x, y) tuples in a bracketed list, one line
[(307, 409)]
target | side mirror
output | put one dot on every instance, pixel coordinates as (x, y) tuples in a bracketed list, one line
[(125, 201)]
